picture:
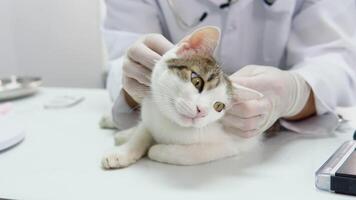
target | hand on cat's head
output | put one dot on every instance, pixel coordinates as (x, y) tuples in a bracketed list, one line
[(139, 61)]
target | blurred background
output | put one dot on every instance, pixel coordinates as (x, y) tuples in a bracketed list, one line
[(59, 41)]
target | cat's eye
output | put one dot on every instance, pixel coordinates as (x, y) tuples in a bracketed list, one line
[(197, 81), (218, 106)]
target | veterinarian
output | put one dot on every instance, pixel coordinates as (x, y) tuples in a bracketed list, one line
[(301, 54)]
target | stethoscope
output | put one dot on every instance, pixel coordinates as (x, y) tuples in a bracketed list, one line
[(185, 25)]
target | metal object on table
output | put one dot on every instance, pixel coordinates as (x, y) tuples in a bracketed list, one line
[(338, 173), (12, 132), (18, 86)]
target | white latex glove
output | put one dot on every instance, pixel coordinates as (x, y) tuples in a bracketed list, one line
[(139, 61), (284, 95)]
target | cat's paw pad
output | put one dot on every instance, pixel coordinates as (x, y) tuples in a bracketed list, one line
[(114, 161)]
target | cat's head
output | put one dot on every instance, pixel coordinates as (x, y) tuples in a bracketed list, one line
[(188, 85)]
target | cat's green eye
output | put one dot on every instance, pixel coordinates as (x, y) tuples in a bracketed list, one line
[(218, 106), (197, 81)]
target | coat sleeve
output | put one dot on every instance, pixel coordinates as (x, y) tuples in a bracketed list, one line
[(124, 23), (322, 49)]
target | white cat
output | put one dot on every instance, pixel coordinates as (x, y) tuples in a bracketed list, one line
[(180, 118)]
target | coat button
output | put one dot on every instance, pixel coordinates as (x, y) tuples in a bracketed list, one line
[(269, 2)]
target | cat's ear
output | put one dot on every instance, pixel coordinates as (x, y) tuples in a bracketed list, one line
[(202, 41), (242, 93)]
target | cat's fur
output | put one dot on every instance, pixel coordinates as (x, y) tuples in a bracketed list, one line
[(179, 123)]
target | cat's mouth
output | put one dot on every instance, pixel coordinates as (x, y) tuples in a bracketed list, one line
[(189, 120), (186, 116)]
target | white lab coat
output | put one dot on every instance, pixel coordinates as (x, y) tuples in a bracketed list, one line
[(315, 38)]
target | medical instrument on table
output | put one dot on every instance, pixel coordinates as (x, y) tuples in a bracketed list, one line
[(185, 25), (338, 174), (63, 102), (18, 86)]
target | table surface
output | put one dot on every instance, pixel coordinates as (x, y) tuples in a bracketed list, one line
[(60, 159)]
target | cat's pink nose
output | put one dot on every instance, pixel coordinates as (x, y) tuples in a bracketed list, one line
[(201, 112)]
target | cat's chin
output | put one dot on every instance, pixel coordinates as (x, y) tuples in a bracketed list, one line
[(189, 122)]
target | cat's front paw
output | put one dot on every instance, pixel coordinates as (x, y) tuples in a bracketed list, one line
[(115, 161)]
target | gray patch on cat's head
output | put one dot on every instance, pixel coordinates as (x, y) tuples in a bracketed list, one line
[(206, 67)]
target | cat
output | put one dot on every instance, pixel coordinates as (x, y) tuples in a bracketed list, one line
[(180, 117)]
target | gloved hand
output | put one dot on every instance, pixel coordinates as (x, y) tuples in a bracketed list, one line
[(139, 61), (284, 95)]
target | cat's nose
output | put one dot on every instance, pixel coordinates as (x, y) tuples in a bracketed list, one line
[(201, 112)]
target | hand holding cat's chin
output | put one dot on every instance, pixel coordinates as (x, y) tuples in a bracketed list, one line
[(285, 94)]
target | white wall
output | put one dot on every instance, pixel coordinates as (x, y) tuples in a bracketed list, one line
[(57, 39)]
